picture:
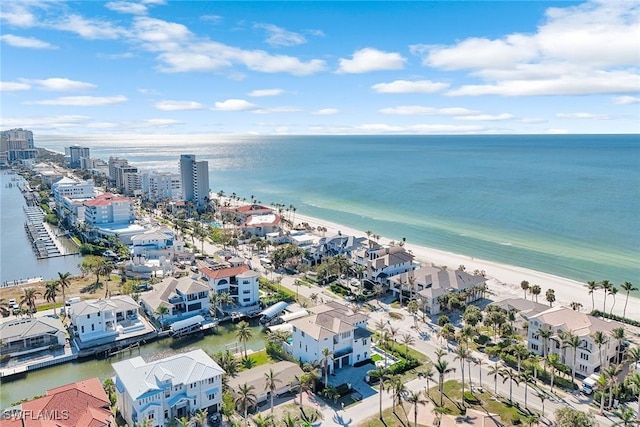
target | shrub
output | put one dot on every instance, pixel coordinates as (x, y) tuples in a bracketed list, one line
[(599, 313), (470, 398), (443, 320)]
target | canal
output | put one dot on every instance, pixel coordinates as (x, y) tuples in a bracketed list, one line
[(38, 382)]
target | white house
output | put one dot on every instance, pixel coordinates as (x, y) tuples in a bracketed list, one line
[(103, 318), (72, 188), (561, 320), (152, 244), (430, 284), (167, 389), (381, 263), (33, 334), (239, 281), (183, 297), (107, 209), (335, 327)]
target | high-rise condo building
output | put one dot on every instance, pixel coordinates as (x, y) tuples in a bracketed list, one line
[(73, 155), (195, 179), (17, 144)]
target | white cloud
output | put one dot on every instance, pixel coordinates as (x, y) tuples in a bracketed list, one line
[(234, 105), (326, 111), (280, 37), (406, 86), (146, 91), (45, 122), (590, 48), (266, 92), (486, 117), (154, 2), (623, 100), (383, 128), (127, 7), (26, 42), (126, 55), (81, 101), (369, 59), (418, 110), (589, 116), (13, 86), (284, 109), (60, 84), (91, 29), (168, 105), (18, 14), (157, 123), (216, 19), (103, 125)]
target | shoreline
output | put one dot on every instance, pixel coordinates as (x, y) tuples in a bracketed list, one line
[(504, 279)]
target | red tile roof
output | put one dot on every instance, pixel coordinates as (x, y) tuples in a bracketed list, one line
[(224, 272), (81, 404), (106, 199), (251, 209)]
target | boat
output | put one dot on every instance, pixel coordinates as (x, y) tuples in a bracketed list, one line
[(186, 327)]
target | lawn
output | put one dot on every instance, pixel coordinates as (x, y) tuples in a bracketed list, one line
[(452, 400), (376, 358), (258, 358), (390, 419)]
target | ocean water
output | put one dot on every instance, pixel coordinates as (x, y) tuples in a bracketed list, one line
[(563, 204)]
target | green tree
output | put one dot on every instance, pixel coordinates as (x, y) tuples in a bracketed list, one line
[(407, 339), (50, 294), (263, 421), (550, 296), (442, 368), (525, 287), (599, 339), (592, 287), (472, 316), (553, 360), (327, 356), (64, 282), (415, 399), (632, 380), (620, 335), (572, 341), (29, 296), (93, 264), (244, 334), (628, 288), (200, 418), (398, 389), (513, 377), (462, 354), (245, 399), (606, 286), (162, 311), (569, 417), (494, 371), (271, 384)]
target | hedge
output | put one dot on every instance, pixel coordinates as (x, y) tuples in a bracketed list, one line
[(606, 315)]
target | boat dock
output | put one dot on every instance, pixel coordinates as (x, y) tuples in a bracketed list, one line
[(43, 240)]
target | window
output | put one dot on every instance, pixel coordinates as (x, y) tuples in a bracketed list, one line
[(167, 393), (211, 396), (211, 380), (151, 416), (584, 356), (93, 327), (364, 341), (534, 347)]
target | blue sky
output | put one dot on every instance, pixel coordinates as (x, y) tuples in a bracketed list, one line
[(155, 66)]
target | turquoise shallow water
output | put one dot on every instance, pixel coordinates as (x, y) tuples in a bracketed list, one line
[(567, 205)]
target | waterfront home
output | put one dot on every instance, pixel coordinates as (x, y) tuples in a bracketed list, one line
[(72, 188), (80, 404), (340, 244), (239, 280), (30, 335), (108, 209), (301, 239), (432, 284), (561, 320), (183, 297), (161, 391), (380, 263), (256, 219), (153, 244), (335, 327), (104, 318), (525, 308), (285, 372)]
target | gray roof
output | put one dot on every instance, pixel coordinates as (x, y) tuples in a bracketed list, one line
[(139, 377), (284, 371), (526, 308), (31, 327), (164, 290), (328, 320)]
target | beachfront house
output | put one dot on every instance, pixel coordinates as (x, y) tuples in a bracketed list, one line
[(561, 320), (30, 335), (104, 318), (431, 285), (183, 298), (381, 263), (80, 404), (333, 326), (238, 279), (256, 219), (159, 392), (286, 372)]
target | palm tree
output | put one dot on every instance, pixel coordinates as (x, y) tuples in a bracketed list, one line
[(462, 354), (626, 416), (442, 368), (398, 388), (525, 286), (246, 398), (513, 377), (620, 335), (628, 288), (327, 356), (494, 371), (428, 375), (611, 375), (550, 296), (407, 339), (526, 378), (633, 355), (244, 334), (613, 291), (381, 373), (535, 291), (592, 286), (162, 311), (263, 421), (200, 417), (545, 334), (599, 338), (50, 294), (553, 361), (605, 285), (521, 352), (415, 398), (576, 306), (572, 341), (182, 422), (63, 281), (633, 382), (29, 297), (271, 382), (542, 397)]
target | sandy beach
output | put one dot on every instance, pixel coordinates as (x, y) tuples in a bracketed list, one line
[(505, 279)]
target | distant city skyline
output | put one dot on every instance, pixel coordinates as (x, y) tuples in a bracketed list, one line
[(199, 67)]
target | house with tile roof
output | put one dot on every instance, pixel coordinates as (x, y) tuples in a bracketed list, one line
[(561, 320), (104, 318), (109, 209), (237, 279), (184, 297), (333, 326), (80, 404), (163, 390), (30, 335), (430, 284), (380, 263), (257, 219)]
